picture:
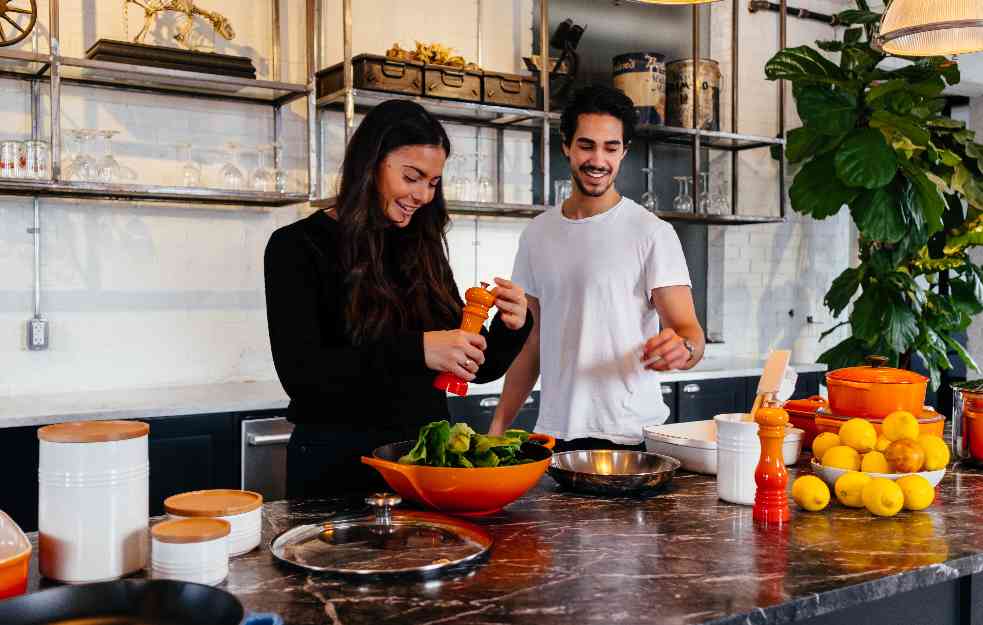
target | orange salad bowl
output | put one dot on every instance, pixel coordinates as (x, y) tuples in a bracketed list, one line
[(15, 555), (929, 422), (467, 492)]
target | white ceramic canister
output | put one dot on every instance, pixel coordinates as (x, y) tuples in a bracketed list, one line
[(243, 509), (93, 502), (738, 452), (191, 550)]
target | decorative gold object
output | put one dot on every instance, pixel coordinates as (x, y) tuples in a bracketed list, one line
[(151, 8), (430, 53), (17, 19), (937, 28)]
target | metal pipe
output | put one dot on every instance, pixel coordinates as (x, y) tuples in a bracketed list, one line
[(478, 40), (696, 108), (735, 158), (544, 85), (35, 110), (313, 122), (805, 14), (782, 42), (275, 53), (348, 72), (277, 126), (500, 174), (54, 54), (36, 231)]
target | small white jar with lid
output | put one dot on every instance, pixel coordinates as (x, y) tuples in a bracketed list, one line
[(93, 500), (243, 510), (190, 550)]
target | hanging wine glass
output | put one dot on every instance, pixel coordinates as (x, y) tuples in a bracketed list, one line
[(108, 168), (719, 204), (80, 166), (190, 171), (704, 203), (650, 199), (231, 173), (262, 178), (682, 202)]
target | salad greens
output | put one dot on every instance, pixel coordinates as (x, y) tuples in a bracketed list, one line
[(442, 445)]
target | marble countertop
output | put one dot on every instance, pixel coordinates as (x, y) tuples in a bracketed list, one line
[(679, 557), (149, 403)]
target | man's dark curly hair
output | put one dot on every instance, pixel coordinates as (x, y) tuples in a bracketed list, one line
[(604, 100)]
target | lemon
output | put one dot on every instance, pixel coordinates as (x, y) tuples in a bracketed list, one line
[(936, 452), (874, 462), (842, 457), (849, 488), (810, 492), (900, 424), (918, 493), (883, 497), (822, 443), (882, 443), (859, 434)]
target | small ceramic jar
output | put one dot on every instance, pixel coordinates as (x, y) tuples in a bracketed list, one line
[(93, 501), (243, 510), (190, 550)]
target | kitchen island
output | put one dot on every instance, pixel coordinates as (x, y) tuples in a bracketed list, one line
[(680, 557)]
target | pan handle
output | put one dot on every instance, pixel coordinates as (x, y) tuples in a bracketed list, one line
[(548, 441), (262, 619), (405, 470)]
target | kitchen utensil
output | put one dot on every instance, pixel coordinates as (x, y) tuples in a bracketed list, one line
[(15, 557), (929, 422), (479, 300), (802, 414), (967, 421), (770, 476), (470, 492), (875, 391), (93, 506), (130, 602), (642, 77), (384, 542), (191, 550), (831, 474), (771, 379), (612, 472), (241, 508), (694, 444)]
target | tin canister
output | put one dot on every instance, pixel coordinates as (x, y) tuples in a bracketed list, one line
[(642, 77), (679, 81)]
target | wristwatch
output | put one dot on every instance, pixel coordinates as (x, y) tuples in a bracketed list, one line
[(690, 348)]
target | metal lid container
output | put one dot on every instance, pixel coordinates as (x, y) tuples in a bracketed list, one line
[(384, 542), (191, 550), (241, 508)]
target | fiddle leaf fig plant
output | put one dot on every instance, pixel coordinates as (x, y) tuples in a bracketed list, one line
[(876, 141)]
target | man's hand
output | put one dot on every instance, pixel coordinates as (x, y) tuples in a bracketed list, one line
[(511, 300), (665, 351)]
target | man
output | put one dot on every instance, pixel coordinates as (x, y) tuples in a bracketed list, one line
[(601, 275)]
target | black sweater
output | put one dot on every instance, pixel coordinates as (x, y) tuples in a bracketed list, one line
[(383, 385)]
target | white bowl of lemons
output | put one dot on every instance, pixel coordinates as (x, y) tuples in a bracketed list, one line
[(831, 474)]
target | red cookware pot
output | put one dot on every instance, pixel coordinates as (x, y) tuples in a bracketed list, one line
[(875, 391)]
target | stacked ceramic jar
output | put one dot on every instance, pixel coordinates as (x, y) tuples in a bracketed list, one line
[(205, 528)]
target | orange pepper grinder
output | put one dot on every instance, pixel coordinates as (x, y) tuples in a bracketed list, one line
[(479, 300), (771, 477)]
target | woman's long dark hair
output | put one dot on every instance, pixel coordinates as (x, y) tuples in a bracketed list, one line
[(417, 291)]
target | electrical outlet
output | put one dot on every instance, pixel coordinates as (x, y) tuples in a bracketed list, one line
[(37, 334)]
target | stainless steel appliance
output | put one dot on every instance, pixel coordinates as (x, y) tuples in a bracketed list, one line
[(264, 456)]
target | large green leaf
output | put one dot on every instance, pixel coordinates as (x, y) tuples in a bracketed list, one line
[(859, 59), (805, 65), (904, 125), (853, 16), (965, 296), (831, 111), (930, 88), (847, 353), (841, 292), (964, 355), (866, 160), (927, 198), (816, 190), (801, 143), (879, 215), (945, 122), (879, 90), (900, 325), (868, 315)]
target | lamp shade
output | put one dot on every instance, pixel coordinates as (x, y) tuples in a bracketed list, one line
[(932, 27), (674, 1)]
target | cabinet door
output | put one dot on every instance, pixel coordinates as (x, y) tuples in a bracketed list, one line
[(19, 495), (670, 395), (192, 453), (703, 399), (478, 411)]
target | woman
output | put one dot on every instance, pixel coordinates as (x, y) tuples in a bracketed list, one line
[(362, 307)]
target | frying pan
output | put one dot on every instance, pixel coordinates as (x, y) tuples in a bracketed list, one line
[(130, 602)]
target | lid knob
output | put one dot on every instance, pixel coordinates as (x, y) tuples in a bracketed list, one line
[(383, 503), (876, 361)]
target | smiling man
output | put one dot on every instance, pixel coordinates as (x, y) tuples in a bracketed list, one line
[(610, 294)]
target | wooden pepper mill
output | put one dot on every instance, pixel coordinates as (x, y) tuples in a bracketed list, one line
[(771, 477), (479, 300)]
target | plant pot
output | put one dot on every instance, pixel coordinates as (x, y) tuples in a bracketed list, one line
[(875, 391)]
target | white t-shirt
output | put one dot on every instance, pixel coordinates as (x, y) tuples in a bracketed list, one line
[(594, 278)]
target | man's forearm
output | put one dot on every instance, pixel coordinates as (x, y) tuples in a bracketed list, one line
[(519, 382)]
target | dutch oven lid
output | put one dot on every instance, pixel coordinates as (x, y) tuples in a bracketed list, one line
[(211, 503), (383, 542), (93, 431), (875, 372)]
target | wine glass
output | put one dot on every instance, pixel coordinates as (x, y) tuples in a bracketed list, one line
[(81, 166), (486, 190), (704, 203), (682, 202), (561, 191), (719, 204), (231, 173), (262, 178), (650, 199), (108, 169), (190, 170)]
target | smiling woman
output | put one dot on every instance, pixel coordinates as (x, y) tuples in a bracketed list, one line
[(361, 303)]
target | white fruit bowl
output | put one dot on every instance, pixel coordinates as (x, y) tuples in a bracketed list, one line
[(831, 474)]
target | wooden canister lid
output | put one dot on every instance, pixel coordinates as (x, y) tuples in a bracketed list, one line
[(186, 531), (93, 431), (210, 503)]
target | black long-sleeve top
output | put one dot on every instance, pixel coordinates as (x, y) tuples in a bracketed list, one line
[(330, 381)]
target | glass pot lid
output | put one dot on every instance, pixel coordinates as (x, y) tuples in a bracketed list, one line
[(383, 542)]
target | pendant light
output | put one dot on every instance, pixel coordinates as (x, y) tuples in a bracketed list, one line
[(676, 2), (932, 27)]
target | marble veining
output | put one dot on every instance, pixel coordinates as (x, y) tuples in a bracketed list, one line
[(680, 557)]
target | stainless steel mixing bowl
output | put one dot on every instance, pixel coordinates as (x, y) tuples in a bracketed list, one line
[(610, 472)]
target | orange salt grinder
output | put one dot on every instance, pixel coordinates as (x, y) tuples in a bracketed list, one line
[(479, 300), (771, 477)]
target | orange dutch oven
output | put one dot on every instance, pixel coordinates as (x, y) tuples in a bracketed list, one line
[(874, 391)]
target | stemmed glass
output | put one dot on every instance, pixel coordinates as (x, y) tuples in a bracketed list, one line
[(190, 170), (262, 178), (279, 174), (682, 202), (718, 201), (650, 199), (231, 174), (108, 169), (704, 203), (81, 166)]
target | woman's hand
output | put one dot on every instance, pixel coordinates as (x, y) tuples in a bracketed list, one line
[(511, 300), (454, 351)]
